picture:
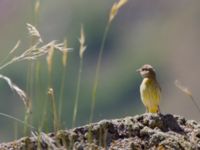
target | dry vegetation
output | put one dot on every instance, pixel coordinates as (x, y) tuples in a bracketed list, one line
[(39, 49)]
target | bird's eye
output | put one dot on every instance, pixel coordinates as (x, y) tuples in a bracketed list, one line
[(144, 69)]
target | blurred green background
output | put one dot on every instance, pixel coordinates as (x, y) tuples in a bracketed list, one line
[(162, 33)]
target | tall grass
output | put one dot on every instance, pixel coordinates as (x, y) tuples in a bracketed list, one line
[(81, 52), (32, 53), (33, 70), (26, 101), (113, 12), (56, 122), (30, 80), (185, 90), (62, 84), (37, 90), (38, 49)]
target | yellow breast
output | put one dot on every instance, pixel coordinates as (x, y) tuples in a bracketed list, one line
[(150, 94)]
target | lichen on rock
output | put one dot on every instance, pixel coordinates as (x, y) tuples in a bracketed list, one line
[(146, 131)]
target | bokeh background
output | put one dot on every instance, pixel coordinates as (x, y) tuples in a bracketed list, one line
[(162, 33)]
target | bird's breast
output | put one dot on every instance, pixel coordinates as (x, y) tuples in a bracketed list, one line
[(150, 91)]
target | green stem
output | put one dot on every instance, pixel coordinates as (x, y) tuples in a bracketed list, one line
[(62, 92), (29, 88), (27, 119), (44, 114), (96, 79), (77, 93), (38, 89), (55, 114)]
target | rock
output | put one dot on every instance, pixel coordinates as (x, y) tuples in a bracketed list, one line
[(146, 131)]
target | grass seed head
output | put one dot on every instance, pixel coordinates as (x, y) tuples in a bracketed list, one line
[(82, 42), (115, 8), (34, 32), (183, 88)]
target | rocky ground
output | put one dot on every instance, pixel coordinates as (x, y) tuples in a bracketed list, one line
[(146, 131)]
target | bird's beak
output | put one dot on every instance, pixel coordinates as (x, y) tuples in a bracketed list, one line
[(138, 70)]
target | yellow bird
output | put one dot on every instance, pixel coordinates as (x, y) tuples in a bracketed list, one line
[(149, 89)]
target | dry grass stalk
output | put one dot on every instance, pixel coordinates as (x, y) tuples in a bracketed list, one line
[(15, 47), (37, 7), (183, 88), (35, 51), (11, 51), (62, 85), (187, 92), (65, 54), (81, 52), (54, 109), (113, 12), (49, 58), (115, 8), (20, 92)]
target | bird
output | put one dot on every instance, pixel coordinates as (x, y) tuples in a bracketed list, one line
[(150, 91)]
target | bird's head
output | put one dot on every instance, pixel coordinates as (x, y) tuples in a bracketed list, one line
[(147, 71)]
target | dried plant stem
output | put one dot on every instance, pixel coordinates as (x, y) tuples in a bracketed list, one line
[(22, 95), (11, 52), (96, 79), (77, 93), (18, 120), (113, 12), (62, 87), (195, 103), (185, 90), (7, 64), (37, 85), (54, 109), (81, 54), (36, 11), (30, 85), (29, 89)]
